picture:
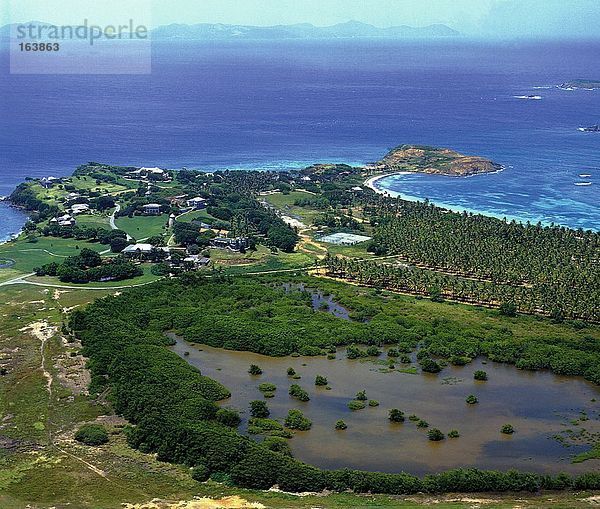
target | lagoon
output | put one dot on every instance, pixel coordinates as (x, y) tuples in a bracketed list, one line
[(538, 404)]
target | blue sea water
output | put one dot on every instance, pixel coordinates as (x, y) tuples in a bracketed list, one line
[(288, 104)]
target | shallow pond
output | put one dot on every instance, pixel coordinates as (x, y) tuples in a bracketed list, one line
[(538, 404)]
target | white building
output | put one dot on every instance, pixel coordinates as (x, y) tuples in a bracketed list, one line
[(79, 208), (196, 203), (152, 209)]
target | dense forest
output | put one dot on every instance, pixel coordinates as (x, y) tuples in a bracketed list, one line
[(549, 270), (172, 406)]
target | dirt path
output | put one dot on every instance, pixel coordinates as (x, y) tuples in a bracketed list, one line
[(43, 331)]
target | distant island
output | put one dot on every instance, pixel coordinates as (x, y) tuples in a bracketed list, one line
[(580, 84), (350, 29), (436, 161)]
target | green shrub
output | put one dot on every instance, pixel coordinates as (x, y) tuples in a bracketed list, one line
[(472, 399), (228, 417), (340, 425), (435, 435), (453, 433), (320, 380), (507, 429), (428, 365), (267, 387), (200, 473), (299, 393), (254, 370), (480, 375), (92, 434), (413, 417), (373, 351), (295, 420), (373, 402), (356, 404), (291, 371), (393, 352), (361, 396), (422, 423), (277, 444), (396, 415), (259, 408)]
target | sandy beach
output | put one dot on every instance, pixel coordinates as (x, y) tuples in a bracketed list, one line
[(372, 181)]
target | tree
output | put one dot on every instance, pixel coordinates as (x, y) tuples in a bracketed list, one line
[(435, 435), (92, 434), (118, 244), (277, 444), (472, 399), (200, 473), (356, 404), (507, 429), (429, 365), (508, 309), (259, 408), (255, 370), (396, 415), (90, 258), (228, 417), (298, 392), (295, 420)]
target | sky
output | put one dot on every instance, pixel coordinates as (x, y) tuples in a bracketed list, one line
[(481, 18)]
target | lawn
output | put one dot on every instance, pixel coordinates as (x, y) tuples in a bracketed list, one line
[(28, 255), (285, 203), (142, 227), (95, 220), (202, 215)]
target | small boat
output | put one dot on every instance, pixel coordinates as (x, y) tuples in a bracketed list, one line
[(585, 175), (590, 129), (530, 97), (583, 183)]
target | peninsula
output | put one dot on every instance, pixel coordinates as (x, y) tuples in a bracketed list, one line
[(436, 161)]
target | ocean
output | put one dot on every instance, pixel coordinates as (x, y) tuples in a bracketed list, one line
[(287, 104)]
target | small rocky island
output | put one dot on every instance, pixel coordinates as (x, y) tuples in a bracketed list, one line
[(580, 84), (437, 161)]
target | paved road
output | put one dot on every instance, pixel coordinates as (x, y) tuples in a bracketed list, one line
[(112, 220)]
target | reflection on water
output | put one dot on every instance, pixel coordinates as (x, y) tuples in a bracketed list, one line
[(537, 404), (320, 301)]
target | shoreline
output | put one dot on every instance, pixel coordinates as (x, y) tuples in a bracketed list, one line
[(371, 183)]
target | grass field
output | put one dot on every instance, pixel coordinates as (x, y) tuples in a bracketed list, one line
[(55, 194), (202, 215), (96, 220), (142, 227), (28, 255), (285, 203)]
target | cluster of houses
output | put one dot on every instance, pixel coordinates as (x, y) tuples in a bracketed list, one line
[(64, 220), (146, 174), (155, 209)]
